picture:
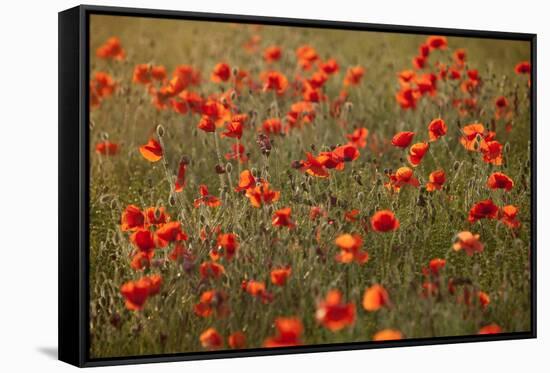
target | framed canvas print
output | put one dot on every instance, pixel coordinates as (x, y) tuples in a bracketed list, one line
[(234, 186)]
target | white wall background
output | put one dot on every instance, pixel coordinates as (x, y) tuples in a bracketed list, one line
[(28, 184)]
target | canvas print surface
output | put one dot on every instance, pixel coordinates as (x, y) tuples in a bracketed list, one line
[(266, 186)]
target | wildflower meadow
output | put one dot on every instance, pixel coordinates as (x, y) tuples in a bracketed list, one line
[(266, 186)]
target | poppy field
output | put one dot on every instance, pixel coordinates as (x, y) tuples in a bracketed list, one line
[(265, 186)]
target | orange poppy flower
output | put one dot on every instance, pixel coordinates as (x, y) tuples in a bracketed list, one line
[(350, 249), (435, 266), (346, 153), (262, 194), (492, 152), (468, 242), (484, 299), (354, 75), (111, 49), (333, 314), (375, 298), (211, 270), (406, 77), (315, 166), (279, 276), (509, 214), (387, 335), (470, 135), (490, 329), (272, 53), (275, 81), (180, 253), (330, 66), (288, 333), (351, 216), (436, 129), (211, 339), (246, 181), (499, 180), (282, 218), (221, 73), (437, 42), (143, 239), (523, 67), (132, 218), (402, 139), (106, 148), (272, 126), (483, 209), (212, 301), (152, 151), (136, 293), (384, 221), (359, 137), (300, 112), (169, 232), (417, 152), (206, 199), (145, 73), (103, 85), (407, 98), (306, 56), (216, 111), (437, 179), (252, 44), (233, 130), (236, 340), (426, 84), (404, 175)]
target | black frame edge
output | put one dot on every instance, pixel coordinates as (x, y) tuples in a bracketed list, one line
[(70, 320), (74, 180)]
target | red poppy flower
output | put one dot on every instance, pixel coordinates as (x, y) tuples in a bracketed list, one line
[(330, 66), (102, 85), (279, 276), (470, 134), (156, 215), (375, 298), (346, 153), (402, 139), (236, 340), (136, 293), (490, 329), (275, 81), (221, 73), (437, 179), (350, 249), (211, 339), (169, 232), (468, 242), (437, 42), (509, 215), (300, 113), (229, 242), (212, 301), (315, 166), (288, 333), (435, 265), (403, 176), (407, 98), (459, 56), (211, 270), (354, 75), (419, 62), (359, 137), (483, 209), (484, 299), (333, 314), (142, 260), (272, 53), (262, 194), (132, 218), (237, 152), (437, 128), (523, 67), (206, 199), (106, 148), (417, 152), (111, 49), (499, 180), (180, 178), (351, 216), (492, 152), (387, 335), (384, 221), (272, 126), (233, 130), (143, 239), (152, 151), (206, 124), (282, 218)]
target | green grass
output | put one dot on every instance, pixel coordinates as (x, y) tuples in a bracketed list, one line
[(429, 221)]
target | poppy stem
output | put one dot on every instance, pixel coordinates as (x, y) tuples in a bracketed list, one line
[(220, 161)]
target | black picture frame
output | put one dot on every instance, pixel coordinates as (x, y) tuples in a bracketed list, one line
[(74, 182)]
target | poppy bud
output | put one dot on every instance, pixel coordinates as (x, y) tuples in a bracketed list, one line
[(296, 164), (507, 147), (104, 136), (220, 169), (348, 106), (228, 168), (456, 165), (160, 130), (92, 125), (233, 96), (171, 201)]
